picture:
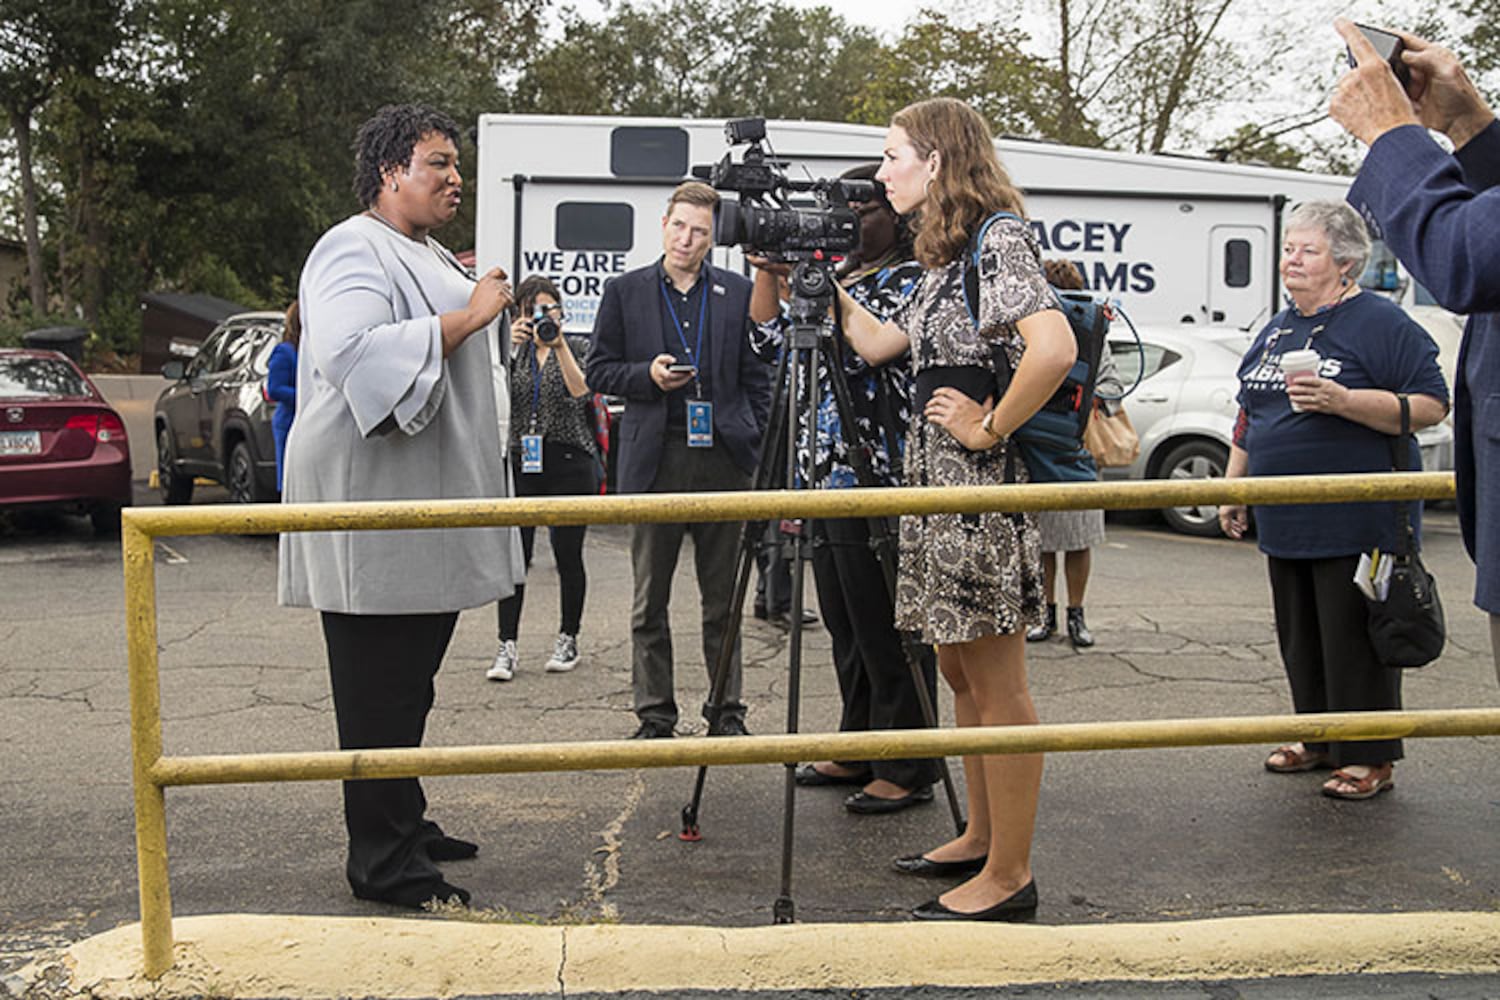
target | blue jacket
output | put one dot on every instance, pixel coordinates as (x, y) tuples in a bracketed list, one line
[(628, 334), (281, 386), (1440, 214)]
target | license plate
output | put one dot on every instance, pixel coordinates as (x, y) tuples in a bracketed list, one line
[(20, 442)]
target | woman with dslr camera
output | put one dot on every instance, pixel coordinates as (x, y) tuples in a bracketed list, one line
[(972, 583), (553, 453)]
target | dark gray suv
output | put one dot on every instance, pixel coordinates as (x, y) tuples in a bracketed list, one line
[(214, 420)]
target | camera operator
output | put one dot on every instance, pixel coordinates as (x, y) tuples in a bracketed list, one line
[(553, 453), (875, 682)]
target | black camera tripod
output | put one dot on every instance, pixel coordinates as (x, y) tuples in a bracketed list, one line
[(808, 341)]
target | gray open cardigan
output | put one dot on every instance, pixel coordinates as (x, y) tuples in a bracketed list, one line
[(382, 415)]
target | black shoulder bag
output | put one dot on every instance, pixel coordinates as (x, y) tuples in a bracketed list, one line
[(1407, 628)]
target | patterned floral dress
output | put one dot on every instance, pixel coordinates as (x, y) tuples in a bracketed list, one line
[(966, 576), (881, 291)]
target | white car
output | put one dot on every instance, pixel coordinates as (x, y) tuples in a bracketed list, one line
[(1184, 410)]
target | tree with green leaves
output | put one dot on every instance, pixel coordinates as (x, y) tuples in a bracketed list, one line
[(687, 58), (987, 66)]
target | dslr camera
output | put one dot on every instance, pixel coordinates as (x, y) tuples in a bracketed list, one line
[(544, 327), (763, 220)]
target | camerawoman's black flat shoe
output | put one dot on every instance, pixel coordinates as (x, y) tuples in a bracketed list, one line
[(1020, 906), (809, 776), (865, 804)]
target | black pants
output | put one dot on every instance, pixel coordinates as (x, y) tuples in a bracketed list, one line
[(1321, 626), (382, 668), (566, 471), (773, 570), (874, 678)]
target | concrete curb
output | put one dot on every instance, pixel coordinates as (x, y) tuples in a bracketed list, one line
[(266, 956)]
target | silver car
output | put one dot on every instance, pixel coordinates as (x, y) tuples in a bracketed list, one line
[(1184, 410)]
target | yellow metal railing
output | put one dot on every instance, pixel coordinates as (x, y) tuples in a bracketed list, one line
[(154, 772)]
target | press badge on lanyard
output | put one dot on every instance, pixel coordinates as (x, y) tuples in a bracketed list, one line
[(531, 444), (700, 423), (531, 453), (700, 412)]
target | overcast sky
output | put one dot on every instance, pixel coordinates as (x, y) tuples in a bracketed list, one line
[(884, 16)]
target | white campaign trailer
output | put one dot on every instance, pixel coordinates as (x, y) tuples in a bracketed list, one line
[(1174, 239)]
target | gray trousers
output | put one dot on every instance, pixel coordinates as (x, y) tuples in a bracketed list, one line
[(653, 557), (1495, 642)]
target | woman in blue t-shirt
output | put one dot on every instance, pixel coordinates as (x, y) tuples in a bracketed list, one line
[(1340, 419)]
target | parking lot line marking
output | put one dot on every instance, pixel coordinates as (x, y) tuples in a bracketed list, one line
[(169, 555)]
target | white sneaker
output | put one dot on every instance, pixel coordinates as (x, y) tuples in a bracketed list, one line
[(504, 667), (564, 654)]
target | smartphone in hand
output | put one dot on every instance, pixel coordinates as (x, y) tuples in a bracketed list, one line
[(1389, 47), (681, 369)]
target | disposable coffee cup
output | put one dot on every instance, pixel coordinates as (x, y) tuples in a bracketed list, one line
[(1295, 363)]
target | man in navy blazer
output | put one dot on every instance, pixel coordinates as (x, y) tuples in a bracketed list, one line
[(674, 340), (1440, 214)]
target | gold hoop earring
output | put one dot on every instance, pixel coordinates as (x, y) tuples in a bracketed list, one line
[(927, 187)]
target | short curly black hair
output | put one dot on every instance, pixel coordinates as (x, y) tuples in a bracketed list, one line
[(387, 139)]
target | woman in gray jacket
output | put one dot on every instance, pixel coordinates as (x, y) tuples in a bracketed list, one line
[(397, 401)]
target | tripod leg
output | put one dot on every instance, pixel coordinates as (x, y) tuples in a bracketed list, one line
[(784, 910), (770, 460)]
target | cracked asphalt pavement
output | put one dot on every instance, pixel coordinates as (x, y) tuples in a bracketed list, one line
[(1183, 627)]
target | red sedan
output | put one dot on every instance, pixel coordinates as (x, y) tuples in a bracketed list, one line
[(61, 445)]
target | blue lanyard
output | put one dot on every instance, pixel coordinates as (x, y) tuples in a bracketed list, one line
[(536, 388), (693, 354)]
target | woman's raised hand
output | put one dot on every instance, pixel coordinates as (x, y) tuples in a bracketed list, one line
[(491, 296)]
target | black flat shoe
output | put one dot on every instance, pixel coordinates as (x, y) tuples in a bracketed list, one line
[(783, 619), (916, 864), (873, 805), (650, 729), (416, 895), (809, 776), (447, 848), (1019, 907), (731, 726)]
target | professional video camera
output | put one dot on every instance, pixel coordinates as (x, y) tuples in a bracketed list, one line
[(764, 220)]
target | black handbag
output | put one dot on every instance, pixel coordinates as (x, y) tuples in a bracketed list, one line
[(1407, 628)]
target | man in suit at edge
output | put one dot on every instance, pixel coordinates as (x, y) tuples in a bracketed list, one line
[(672, 338), (1438, 212)]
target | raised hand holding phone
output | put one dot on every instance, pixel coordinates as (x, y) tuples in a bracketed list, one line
[(1387, 46), (1368, 100)]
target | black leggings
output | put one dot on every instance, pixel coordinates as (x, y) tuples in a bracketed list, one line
[(566, 471), (875, 680)]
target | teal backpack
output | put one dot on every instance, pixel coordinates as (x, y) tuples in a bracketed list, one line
[(1052, 440)]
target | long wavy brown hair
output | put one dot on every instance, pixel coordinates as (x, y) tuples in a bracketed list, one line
[(971, 184)]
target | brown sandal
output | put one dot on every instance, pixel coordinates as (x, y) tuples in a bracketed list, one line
[(1294, 760), (1346, 785)]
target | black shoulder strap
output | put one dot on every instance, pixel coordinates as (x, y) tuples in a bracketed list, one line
[(1400, 458), (971, 263)]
